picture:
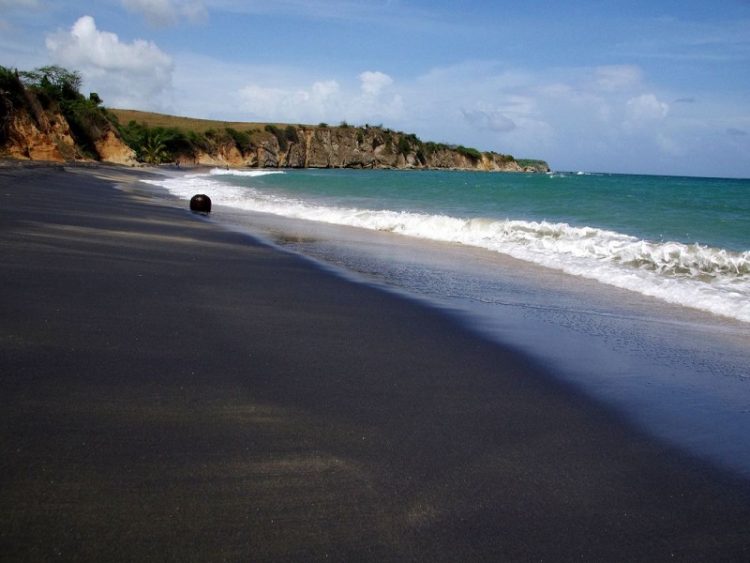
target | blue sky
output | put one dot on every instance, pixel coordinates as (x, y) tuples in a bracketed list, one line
[(652, 87)]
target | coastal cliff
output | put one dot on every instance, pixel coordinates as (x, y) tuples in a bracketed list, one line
[(48, 119), (373, 147), (258, 145), (43, 116), (51, 139)]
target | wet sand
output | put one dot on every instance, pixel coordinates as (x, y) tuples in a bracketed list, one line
[(173, 391)]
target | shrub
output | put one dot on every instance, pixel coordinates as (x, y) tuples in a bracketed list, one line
[(198, 142), (11, 86), (11, 98), (290, 133), (469, 152), (403, 146), (87, 121), (241, 139), (280, 136)]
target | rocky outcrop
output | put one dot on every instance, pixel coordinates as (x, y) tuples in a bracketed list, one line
[(49, 137), (29, 131), (364, 147), (258, 145), (39, 139), (225, 155), (111, 149)]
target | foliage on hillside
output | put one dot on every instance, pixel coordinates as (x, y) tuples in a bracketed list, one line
[(49, 90), (186, 137)]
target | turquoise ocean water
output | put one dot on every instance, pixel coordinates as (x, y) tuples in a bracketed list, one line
[(682, 240), (635, 289)]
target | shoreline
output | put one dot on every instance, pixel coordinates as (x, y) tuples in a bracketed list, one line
[(675, 373), (183, 166), (174, 390)]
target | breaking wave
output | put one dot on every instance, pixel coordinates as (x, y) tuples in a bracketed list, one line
[(246, 173), (711, 279)]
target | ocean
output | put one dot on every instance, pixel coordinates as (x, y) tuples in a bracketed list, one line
[(636, 289)]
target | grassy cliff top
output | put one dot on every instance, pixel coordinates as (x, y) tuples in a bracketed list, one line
[(151, 119)]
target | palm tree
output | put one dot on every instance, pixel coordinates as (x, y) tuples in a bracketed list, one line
[(154, 148)]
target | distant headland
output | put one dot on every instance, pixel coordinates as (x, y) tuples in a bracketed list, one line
[(43, 116)]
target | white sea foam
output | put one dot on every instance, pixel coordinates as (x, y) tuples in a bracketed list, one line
[(710, 279), (249, 173)]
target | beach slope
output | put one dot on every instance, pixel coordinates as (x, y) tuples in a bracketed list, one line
[(173, 391)]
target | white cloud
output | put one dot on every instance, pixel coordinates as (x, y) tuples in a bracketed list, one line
[(167, 12), (646, 107), (373, 83), (136, 74), (324, 100), (316, 103), (377, 100)]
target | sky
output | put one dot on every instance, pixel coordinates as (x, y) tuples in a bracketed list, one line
[(654, 87)]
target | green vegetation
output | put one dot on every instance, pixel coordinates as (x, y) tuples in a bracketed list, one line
[(283, 136), (291, 134), (468, 152), (505, 158), (11, 86), (241, 138), (404, 146), (51, 89), (532, 163), (157, 145), (429, 148), (11, 97), (187, 137)]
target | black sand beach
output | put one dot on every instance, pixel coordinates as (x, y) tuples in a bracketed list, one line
[(173, 391)]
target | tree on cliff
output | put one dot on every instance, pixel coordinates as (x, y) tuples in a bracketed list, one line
[(54, 81)]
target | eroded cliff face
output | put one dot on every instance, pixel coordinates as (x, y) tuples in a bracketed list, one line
[(354, 147), (51, 139), (112, 149), (47, 136)]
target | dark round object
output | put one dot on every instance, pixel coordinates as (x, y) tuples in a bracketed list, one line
[(200, 202)]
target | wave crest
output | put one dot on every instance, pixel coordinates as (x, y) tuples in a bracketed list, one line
[(697, 276), (246, 173)]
